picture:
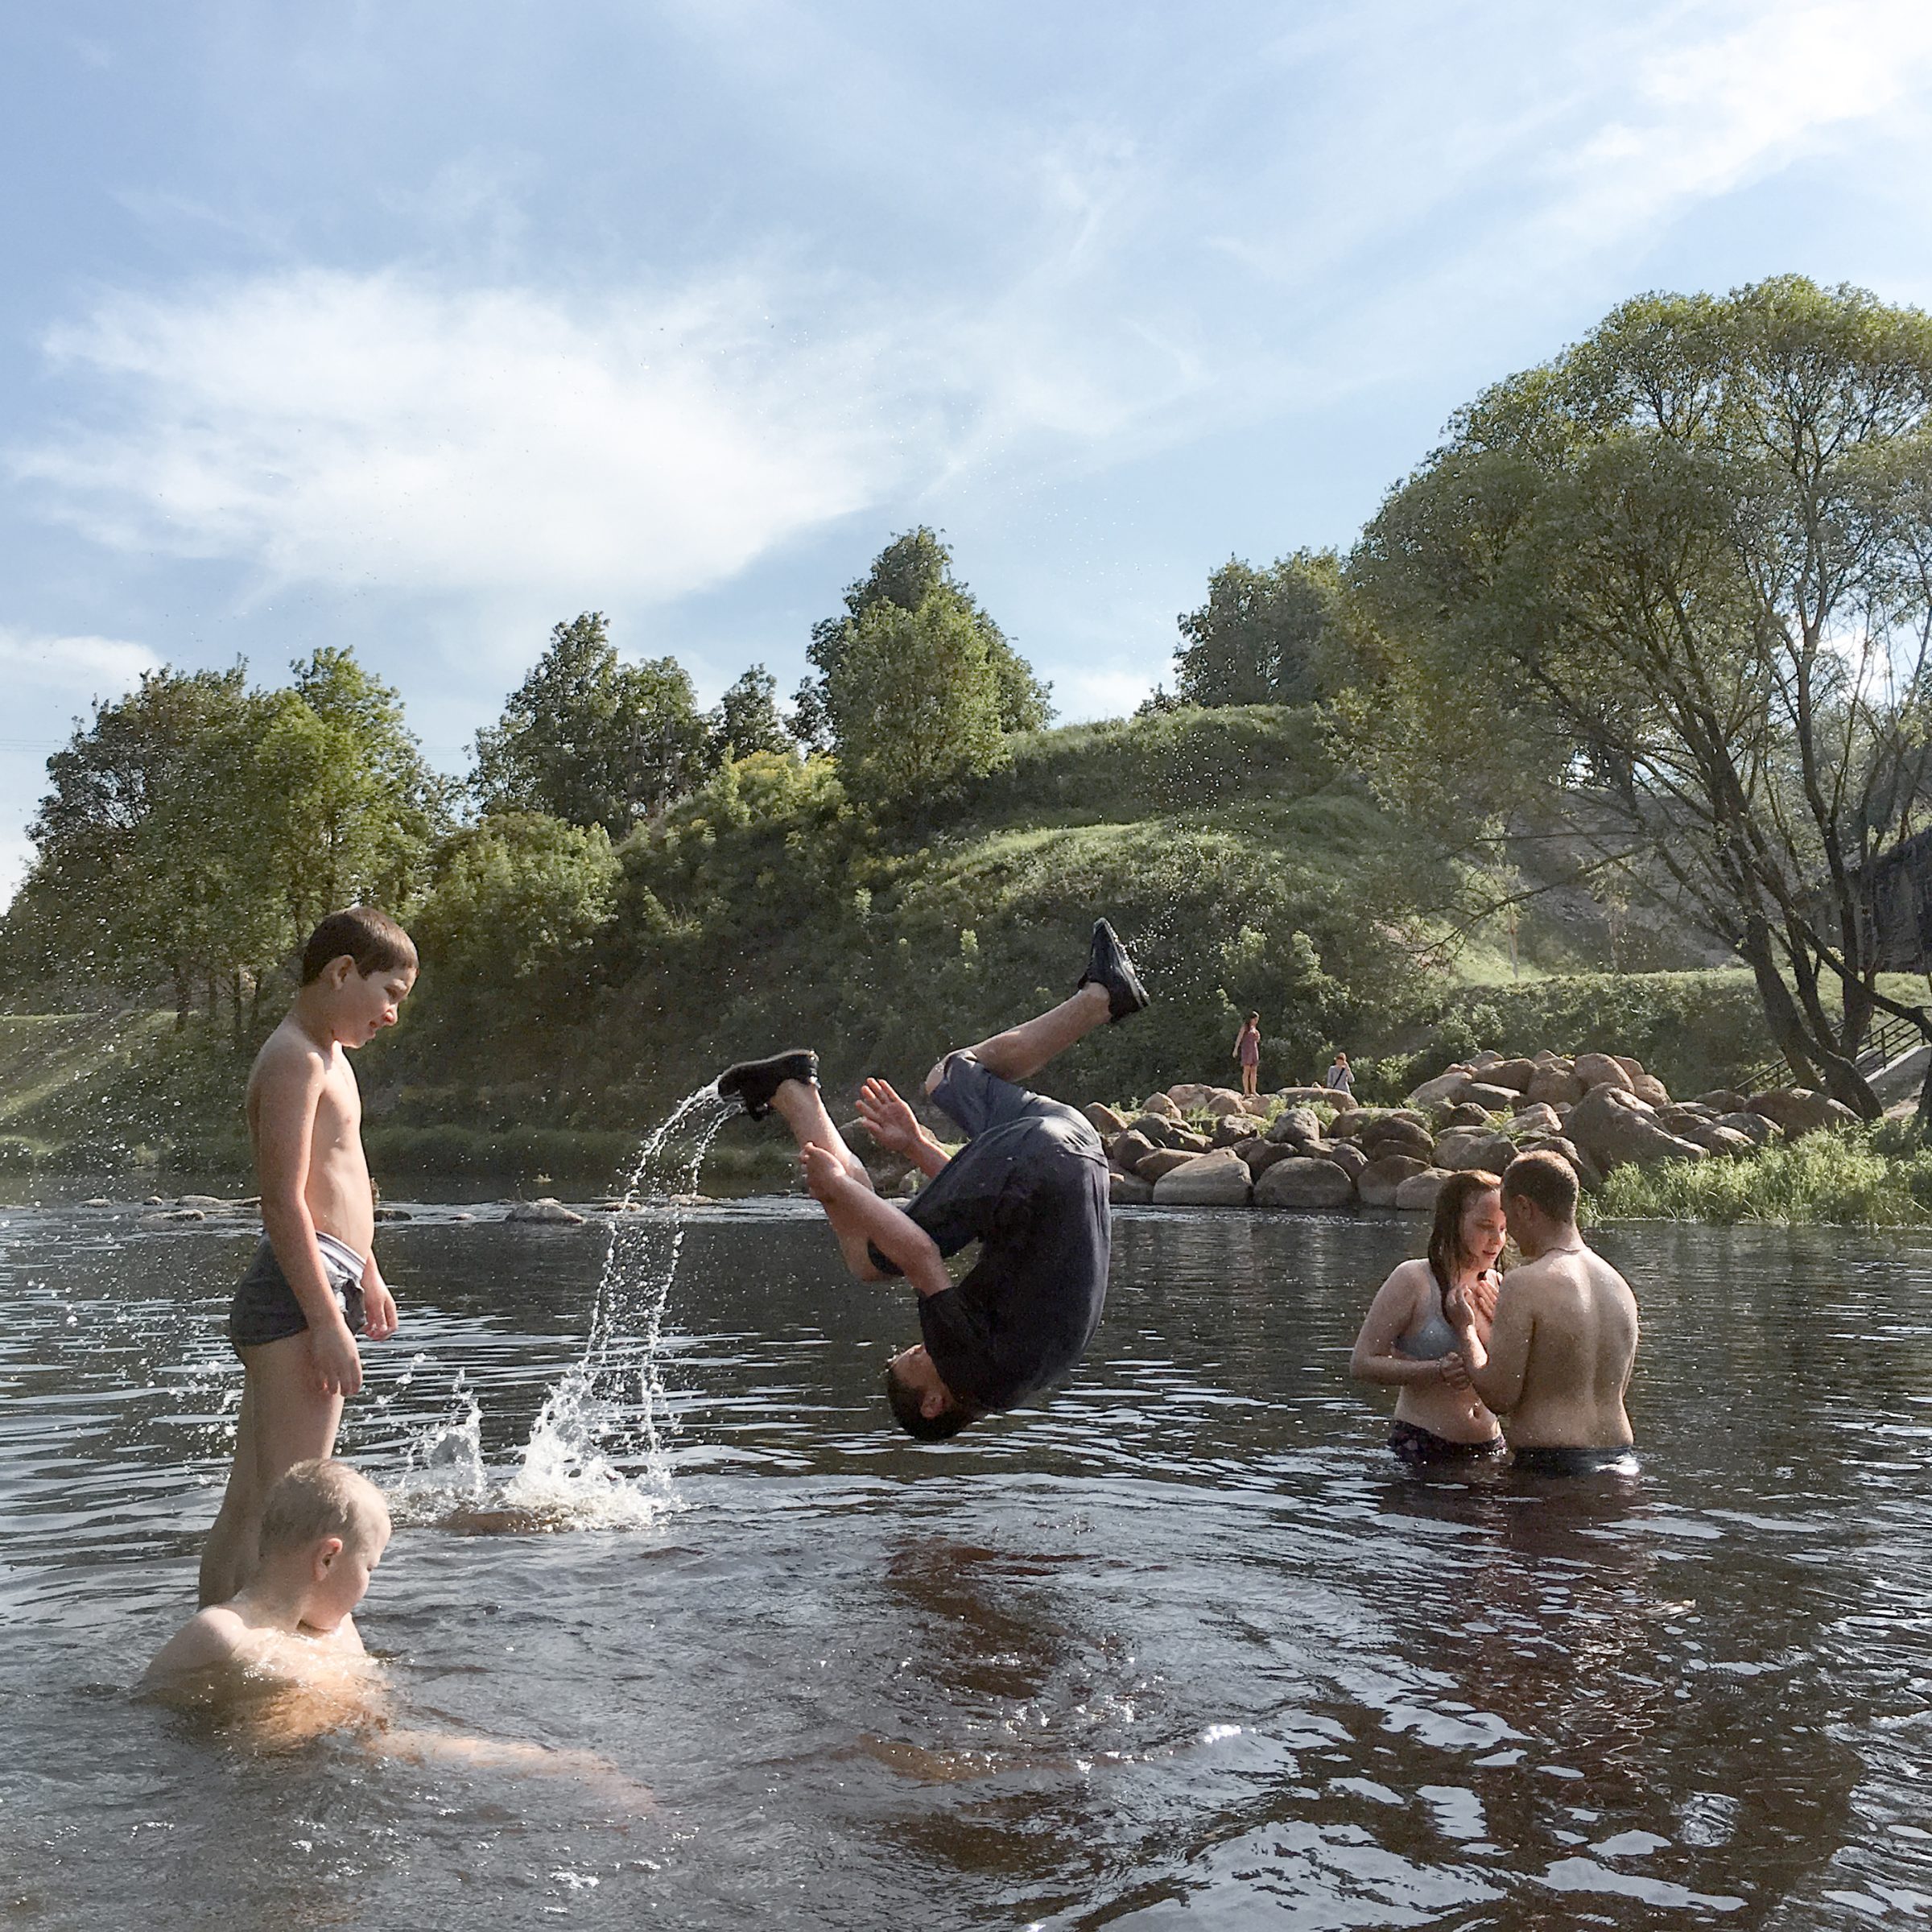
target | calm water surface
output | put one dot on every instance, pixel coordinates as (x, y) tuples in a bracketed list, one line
[(1183, 1650)]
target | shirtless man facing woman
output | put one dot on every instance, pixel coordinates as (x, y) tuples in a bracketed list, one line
[(1407, 1341), (1556, 1362)]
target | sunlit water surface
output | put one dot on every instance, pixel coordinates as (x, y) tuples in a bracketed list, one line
[(1183, 1649)]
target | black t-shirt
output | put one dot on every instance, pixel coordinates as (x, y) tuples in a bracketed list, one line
[(1033, 1192)]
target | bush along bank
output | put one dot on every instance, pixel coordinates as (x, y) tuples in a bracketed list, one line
[(1307, 1148)]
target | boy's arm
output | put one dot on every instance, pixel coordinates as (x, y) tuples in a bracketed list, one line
[(378, 1304), (858, 1212), (892, 1124), (1496, 1369), (285, 1121)]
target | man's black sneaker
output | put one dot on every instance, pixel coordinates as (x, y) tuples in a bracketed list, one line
[(754, 1082), (1107, 965)]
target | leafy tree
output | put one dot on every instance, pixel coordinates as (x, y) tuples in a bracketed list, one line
[(1263, 636), (591, 740), (747, 718), (1671, 594), (909, 571), (811, 720), (519, 898), (914, 699)]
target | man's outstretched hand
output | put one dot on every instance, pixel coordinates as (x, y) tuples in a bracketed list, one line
[(888, 1120)]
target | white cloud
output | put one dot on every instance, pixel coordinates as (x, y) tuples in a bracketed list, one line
[(73, 667), (377, 430)]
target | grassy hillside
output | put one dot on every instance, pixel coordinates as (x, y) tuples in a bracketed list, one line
[(1243, 869)]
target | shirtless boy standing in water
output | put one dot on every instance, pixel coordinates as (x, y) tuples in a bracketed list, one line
[(314, 1285), (1564, 1337)]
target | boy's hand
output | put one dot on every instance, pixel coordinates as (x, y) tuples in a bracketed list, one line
[(379, 1311), (338, 1367), (888, 1119), (824, 1172)]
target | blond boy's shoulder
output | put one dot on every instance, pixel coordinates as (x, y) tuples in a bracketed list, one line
[(286, 1050), (207, 1641)]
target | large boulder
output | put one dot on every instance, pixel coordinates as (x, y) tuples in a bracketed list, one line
[(1554, 1085), (1300, 1182), (1445, 1090), (1799, 1111), (1634, 1068), (1157, 1128), (1105, 1120), (1222, 1101), (1724, 1099), (1464, 1113), (1231, 1130), (1463, 1147), (1594, 1070), (1613, 1127), (1188, 1141), (1210, 1180), (1417, 1194), (1129, 1189), (1680, 1116), (1538, 1117), (1188, 1095), (548, 1213), (1129, 1150), (1348, 1157), (1492, 1100), (1165, 1105), (1755, 1127), (1377, 1183), (1296, 1125), (1163, 1162), (1727, 1141), (1261, 1155), (1648, 1087), (1516, 1074)]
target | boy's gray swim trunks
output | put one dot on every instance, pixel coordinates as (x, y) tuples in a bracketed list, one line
[(265, 1308)]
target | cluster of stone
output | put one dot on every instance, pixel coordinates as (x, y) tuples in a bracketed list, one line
[(1208, 1146)]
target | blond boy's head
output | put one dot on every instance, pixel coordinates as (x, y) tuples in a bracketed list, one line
[(324, 1531)]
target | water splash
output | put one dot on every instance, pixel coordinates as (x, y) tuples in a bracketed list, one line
[(597, 1456)]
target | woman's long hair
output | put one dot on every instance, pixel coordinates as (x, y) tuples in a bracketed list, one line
[(1446, 1254)]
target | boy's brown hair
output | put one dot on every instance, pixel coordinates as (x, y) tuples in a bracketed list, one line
[(373, 939), (1545, 1180), (318, 1499)]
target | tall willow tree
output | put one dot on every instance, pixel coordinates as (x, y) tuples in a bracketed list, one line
[(1671, 594)]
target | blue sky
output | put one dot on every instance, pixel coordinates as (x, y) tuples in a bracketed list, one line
[(421, 327)]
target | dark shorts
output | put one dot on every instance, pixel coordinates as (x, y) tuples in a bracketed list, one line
[(1574, 1462), (1415, 1444), (265, 1308), (1031, 1187)]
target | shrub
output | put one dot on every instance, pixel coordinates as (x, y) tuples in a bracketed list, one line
[(1839, 1177)]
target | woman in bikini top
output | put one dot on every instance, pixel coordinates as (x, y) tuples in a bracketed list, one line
[(1407, 1342)]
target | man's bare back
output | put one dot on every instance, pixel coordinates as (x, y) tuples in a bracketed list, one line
[(1571, 1320)]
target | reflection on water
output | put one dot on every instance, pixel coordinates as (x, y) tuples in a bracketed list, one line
[(1184, 1647)]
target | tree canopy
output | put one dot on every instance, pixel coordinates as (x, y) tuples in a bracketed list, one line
[(590, 739), (1672, 592), (1263, 636), (747, 718), (909, 572)]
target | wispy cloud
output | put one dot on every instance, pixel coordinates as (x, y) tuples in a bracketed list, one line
[(76, 668)]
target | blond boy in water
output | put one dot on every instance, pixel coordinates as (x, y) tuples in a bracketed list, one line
[(313, 1285)]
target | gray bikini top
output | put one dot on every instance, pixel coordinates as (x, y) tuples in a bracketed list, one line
[(1431, 1338)]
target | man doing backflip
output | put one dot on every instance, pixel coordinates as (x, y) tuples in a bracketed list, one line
[(1029, 1186)]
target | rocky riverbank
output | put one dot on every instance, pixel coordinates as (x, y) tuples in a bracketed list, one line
[(1305, 1147)]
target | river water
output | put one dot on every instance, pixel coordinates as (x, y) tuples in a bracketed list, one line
[(1184, 1648)]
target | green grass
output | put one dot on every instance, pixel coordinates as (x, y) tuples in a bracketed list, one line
[(1849, 1177)]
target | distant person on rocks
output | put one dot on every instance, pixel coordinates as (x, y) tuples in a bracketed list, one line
[(1407, 1342), (313, 1285), (1555, 1363), (1031, 1185), (1247, 1055), (1339, 1078)]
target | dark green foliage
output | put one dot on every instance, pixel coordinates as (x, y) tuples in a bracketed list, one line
[(590, 739), (1264, 637), (911, 570), (747, 718)]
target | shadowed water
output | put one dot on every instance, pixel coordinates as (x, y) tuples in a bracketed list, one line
[(1185, 1648)]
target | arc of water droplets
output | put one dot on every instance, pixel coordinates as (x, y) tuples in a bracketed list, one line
[(612, 1400)]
